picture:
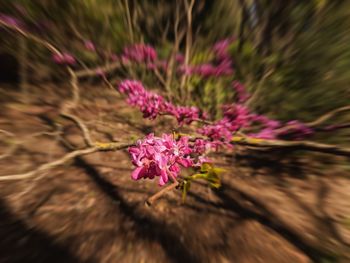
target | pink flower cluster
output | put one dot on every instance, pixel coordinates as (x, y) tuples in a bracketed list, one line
[(296, 130), (11, 20), (63, 58), (235, 117), (269, 127), (139, 53), (162, 157), (273, 129), (242, 94), (149, 103), (223, 68), (152, 104), (221, 48)]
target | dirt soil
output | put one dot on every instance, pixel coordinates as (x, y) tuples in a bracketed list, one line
[(270, 208)]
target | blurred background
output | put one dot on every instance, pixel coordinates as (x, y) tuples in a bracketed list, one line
[(293, 57)]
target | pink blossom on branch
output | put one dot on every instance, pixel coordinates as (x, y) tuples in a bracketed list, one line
[(224, 68), (160, 157), (235, 117), (63, 58), (221, 48), (89, 45), (152, 104), (139, 53), (11, 20), (242, 94), (149, 103)]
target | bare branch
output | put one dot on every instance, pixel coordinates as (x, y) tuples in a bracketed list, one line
[(93, 72), (293, 145), (69, 156), (7, 133), (157, 195), (48, 166), (189, 7), (128, 16), (327, 116), (32, 37), (75, 87), (86, 134)]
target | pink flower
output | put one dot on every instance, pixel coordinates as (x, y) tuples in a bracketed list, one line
[(185, 114), (242, 94), (148, 102), (100, 72), (179, 58), (296, 129), (63, 58), (11, 20), (152, 104), (160, 157), (89, 45), (221, 48), (139, 53), (235, 117), (202, 146), (267, 133), (206, 70), (114, 57)]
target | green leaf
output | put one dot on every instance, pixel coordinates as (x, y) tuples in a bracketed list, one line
[(185, 188), (206, 167)]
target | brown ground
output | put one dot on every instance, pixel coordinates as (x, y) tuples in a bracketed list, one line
[(267, 210)]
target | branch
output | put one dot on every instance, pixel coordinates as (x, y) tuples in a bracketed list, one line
[(75, 87), (28, 35), (69, 156), (128, 16), (93, 72), (327, 116), (7, 133), (293, 145), (258, 90), (189, 7), (48, 166), (157, 195), (86, 134), (178, 36)]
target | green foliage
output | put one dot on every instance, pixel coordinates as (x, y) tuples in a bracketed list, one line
[(208, 173)]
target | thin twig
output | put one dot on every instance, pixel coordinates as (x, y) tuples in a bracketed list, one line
[(189, 7), (327, 116), (75, 87), (109, 67), (293, 145), (7, 133), (128, 16), (32, 37), (69, 156), (48, 166), (86, 134), (157, 195)]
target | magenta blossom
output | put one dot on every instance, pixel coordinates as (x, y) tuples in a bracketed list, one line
[(152, 104), (63, 58), (221, 48), (148, 102), (139, 53), (161, 157), (206, 70), (11, 20), (235, 117), (242, 94), (89, 45), (296, 129)]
